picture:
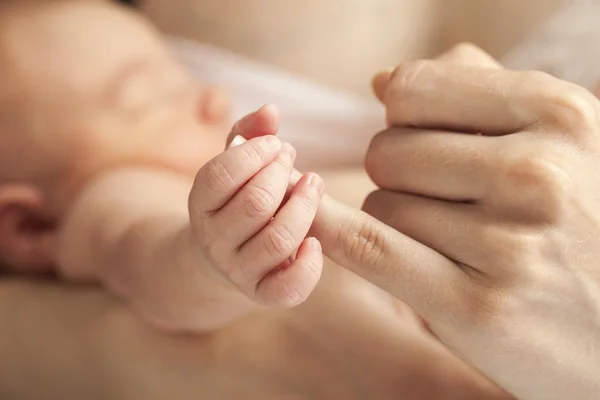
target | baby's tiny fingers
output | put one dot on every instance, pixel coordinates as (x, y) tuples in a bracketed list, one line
[(292, 283), (220, 178), (264, 121), (255, 204), (278, 240)]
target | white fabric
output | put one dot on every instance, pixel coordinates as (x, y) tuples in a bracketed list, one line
[(332, 128), (327, 127)]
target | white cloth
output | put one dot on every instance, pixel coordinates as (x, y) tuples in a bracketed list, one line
[(332, 128), (327, 127)]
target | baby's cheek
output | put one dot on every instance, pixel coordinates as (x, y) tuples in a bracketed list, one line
[(191, 153)]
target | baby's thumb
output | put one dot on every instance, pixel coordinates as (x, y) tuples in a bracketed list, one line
[(264, 121)]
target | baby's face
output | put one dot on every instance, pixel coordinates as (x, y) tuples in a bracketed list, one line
[(97, 87)]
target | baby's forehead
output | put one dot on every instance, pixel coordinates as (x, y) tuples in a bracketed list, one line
[(79, 50)]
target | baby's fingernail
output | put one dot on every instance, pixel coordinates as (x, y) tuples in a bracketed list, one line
[(296, 176), (268, 108), (289, 150), (315, 181), (237, 141), (315, 244), (270, 143)]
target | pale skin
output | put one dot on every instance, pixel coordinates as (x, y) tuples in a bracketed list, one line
[(396, 270), (202, 268), (501, 228), (191, 260), (238, 350), (185, 260)]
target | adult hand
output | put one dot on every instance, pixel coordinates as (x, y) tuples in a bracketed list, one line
[(491, 179)]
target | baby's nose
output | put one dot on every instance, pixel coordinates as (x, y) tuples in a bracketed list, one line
[(215, 106)]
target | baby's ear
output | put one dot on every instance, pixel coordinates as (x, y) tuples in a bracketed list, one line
[(26, 231)]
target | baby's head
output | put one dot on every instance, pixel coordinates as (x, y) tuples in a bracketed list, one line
[(86, 86)]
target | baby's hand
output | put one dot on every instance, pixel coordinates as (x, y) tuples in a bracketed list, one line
[(248, 228)]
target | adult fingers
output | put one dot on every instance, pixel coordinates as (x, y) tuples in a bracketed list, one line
[(434, 94), (414, 273), (444, 165), (452, 229), (462, 53)]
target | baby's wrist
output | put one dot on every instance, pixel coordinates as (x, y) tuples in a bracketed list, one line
[(215, 282)]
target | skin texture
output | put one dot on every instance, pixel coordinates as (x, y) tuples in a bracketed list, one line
[(89, 182), (320, 343), (199, 269), (357, 243), (522, 189)]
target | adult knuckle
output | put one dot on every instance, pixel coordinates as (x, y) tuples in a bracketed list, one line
[(259, 201), (403, 83), (405, 75), (576, 110), (543, 179), (567, 106), (280, 242)]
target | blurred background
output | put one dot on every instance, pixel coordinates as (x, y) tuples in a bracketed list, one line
[(321, 38)]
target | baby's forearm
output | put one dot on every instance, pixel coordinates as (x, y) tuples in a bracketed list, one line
[(136, 240), (164, 276)]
